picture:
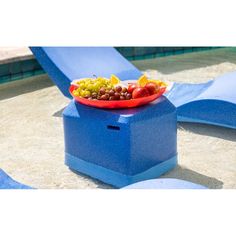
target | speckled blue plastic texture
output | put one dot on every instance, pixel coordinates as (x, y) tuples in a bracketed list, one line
[(213, 102), (126, 141), (64, 64), (165, 184), (6, 182)]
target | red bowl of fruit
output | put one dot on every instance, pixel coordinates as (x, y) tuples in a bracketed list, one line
[(114, 96)]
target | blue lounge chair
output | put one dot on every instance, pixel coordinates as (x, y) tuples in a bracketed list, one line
[(164, 184), (6, 182), (213, 102), (65, 64)]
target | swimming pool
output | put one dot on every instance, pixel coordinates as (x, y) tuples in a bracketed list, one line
[(24, 68)]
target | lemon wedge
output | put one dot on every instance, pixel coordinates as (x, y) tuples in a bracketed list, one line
[(114, 80), (142, 81)]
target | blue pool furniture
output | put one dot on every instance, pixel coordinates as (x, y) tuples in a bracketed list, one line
[(6, 182), (213, 102), (165, 183), (118, 147), (65, 64)]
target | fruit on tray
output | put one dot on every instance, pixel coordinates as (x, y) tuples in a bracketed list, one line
[(158, 82), (112, 89), (116, 93), (114, 79), (132, 87), (152, 87), (140, 92), (101, 89), (142, 81)]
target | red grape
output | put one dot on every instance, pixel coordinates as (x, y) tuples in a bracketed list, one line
[(117, 96), (128, 96), (124, 89), (118, 89), (112, 92), (102, 91)]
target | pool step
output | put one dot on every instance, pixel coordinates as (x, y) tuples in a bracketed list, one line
[(17, 63)]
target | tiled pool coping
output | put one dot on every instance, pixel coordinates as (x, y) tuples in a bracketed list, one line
[(19, 70), (19, 63), (142, 53)]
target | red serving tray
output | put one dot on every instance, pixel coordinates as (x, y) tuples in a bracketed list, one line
[(117, 104)]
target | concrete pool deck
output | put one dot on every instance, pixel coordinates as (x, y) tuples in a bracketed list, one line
[(31, 129), (12, 54)]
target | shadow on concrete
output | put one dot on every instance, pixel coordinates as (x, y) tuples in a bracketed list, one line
[(180, 172), (97, 182), (16, 88), (177, 173), (59, 113), (209, 130)]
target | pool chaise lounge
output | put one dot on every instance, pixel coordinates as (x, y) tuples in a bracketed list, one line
[(165, 183), (6, 182), (65, 64), (212, 103)]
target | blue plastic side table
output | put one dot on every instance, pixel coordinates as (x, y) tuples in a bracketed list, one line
[(121, 147)]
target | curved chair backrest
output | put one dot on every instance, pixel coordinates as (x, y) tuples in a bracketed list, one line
[(213, 102), (222, 88), (64, 64)]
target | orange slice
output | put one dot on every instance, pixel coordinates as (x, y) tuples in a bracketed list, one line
[(114, 80), (159, 83), (142, 81)]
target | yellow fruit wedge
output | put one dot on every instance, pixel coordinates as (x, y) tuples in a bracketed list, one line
[(163, 84), (114, 80), (159, 82), (142, 81)]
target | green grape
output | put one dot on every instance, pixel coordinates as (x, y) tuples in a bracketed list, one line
[(95, 88), (79, 90), (86, 84), (103, 80), (82, 85), (90, 87), (109, 87), (76, 93), (82, 93), (87, 93), (97, 85)]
